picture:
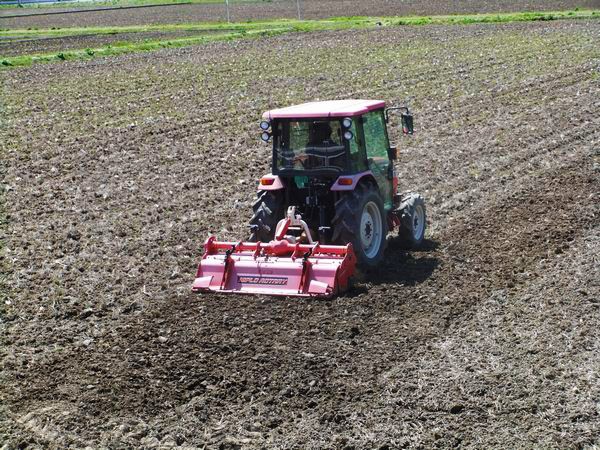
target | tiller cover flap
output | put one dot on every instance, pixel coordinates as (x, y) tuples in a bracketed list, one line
[(275, 268)]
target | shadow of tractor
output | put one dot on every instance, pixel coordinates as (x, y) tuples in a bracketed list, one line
[(400, 266)]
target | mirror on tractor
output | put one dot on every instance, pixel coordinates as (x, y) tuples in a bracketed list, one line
[(406, 118), (407, 123)]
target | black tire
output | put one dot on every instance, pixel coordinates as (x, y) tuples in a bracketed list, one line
[(268, 210), (413, 218), (346, 223)]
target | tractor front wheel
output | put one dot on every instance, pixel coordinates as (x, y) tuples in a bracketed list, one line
[(268, 211), (360, 220)]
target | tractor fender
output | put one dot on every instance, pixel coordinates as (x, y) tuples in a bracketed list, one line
[(349, 182), (270, 182)]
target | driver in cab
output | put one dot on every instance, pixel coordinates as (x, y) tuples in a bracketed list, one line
[(319, 140)]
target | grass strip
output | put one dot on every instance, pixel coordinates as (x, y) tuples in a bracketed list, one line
[(163, 28), (120, 48), (252, 29), (310, 25)]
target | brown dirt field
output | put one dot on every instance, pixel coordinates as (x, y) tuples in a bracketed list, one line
[(311, 9), (28, 46), (116, 169)]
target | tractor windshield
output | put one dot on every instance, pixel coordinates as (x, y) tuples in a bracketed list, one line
[(309, 145)]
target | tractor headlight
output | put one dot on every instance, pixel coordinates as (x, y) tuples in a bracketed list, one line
[(265, 125), (265, 136), (348, 135), (347, 122)]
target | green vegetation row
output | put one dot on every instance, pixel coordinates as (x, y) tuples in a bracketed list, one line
[(209, 32)]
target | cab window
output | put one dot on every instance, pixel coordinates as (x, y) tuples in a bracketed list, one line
[(377, 145), (309, 145), (357, 158), (376, 139)]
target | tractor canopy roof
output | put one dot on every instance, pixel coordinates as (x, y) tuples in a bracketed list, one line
[(331, 108)]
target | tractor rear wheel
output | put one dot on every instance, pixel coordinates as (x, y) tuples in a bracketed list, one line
[(360, 220), (268, 211), (413, 220)]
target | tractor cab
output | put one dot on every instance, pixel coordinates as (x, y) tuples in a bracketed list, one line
[(335, 142)]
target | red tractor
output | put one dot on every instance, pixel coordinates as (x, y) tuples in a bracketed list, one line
[(328, 204)]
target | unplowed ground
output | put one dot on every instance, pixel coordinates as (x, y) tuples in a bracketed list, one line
[(310, 9), (117, 169), (26, 45)]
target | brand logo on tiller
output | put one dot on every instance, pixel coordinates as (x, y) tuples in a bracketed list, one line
[(273, 281)]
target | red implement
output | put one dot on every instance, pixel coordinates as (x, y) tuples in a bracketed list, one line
[(275, 268)]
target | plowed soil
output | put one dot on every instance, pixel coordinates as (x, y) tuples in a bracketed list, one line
[(117, 169), (310, 9)]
